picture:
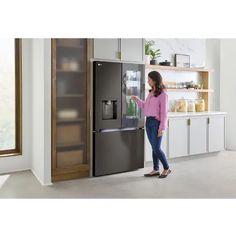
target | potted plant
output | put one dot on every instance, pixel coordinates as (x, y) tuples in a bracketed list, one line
[(148, 45), (154, 55)]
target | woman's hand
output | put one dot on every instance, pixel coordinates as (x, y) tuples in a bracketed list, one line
[(134, 98), (160, 133)]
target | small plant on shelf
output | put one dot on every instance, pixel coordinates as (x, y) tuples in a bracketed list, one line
[(148, 46), (154, 55)]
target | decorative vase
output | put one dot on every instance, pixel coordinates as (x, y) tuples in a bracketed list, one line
[(147, 59), (153, 62)]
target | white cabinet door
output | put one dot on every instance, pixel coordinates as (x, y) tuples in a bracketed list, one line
[(198, 135), (108, 49), (178, 137), (216, 133), (164, 143), (132, 50)]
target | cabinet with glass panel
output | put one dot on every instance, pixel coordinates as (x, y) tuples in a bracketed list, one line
[(70, 109)]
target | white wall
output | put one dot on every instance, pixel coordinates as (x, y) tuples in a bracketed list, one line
[(228, 88), (213, 62), (41, 110), (23, 162), (194, 47), (47, 111)]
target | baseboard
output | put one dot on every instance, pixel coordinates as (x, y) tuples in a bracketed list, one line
[(14, 171), (230, 149), (43, 184)]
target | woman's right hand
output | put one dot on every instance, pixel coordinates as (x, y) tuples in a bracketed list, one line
[(134, 98)]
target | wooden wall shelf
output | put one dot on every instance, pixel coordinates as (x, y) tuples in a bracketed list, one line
[(174, 68)]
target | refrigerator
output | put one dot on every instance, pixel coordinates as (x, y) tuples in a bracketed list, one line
[(118, 123)]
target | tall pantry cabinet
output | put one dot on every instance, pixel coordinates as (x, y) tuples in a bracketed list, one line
[(70, 109)]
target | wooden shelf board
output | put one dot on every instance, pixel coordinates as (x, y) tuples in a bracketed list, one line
[(70, 46), (174, 68), (69, 71), (70, 145)]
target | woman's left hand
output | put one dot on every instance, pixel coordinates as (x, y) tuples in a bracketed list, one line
[(160, 133)]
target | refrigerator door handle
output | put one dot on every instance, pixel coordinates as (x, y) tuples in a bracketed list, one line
[(124, 81), (115, 130)]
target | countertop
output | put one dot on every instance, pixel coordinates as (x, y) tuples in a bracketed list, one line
[(206, 113)]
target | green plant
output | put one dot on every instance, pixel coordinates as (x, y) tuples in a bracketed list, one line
[(155, 54), (148, 45)]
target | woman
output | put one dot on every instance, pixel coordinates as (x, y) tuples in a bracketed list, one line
[(156, 110)]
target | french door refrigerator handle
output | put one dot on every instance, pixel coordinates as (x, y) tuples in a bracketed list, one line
[(114, 130)]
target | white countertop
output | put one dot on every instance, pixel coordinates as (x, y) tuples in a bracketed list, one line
[(206, 113)]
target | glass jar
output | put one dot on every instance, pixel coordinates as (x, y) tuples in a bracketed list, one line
[(182, 105), (191, 106), (200, 105)]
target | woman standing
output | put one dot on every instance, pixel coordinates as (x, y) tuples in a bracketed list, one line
[(156, 111)]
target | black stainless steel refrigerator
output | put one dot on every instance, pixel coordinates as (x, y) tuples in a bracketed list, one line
[(118, 123)]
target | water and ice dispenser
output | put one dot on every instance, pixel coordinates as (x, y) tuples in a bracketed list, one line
[(109, 109)]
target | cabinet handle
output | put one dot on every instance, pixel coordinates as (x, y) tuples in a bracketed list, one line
[(189, 122), (208, 120)]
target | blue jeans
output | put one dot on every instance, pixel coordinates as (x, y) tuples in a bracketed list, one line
[(152, 126)]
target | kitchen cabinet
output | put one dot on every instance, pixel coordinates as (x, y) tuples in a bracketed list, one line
[(164, 143), (70, 109), (192, 135), (108, 49), (113, 49), (178, 137), (197, 135), (216, 133), (132, 50)]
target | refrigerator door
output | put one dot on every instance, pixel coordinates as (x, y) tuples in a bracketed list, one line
[(107, 95), (133, 83), (118, 151)]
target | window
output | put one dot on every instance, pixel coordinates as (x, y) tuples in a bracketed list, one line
[(10, 97)]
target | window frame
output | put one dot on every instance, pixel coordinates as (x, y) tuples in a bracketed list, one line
[(17, 151)]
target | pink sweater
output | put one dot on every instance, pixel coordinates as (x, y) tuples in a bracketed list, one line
[(157, 107)]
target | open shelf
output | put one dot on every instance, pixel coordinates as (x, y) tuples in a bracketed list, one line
[(192, 69)]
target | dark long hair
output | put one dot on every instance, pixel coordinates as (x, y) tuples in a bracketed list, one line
[(157, 79)]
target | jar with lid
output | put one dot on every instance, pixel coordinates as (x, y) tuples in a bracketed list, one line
[(191, 106), (200, 105), (182, 105)]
